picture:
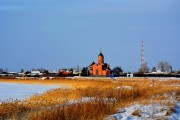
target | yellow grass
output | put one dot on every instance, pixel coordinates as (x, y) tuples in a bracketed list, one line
[(36, 106)]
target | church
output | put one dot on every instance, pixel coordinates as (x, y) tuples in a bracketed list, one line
[(100, 68)]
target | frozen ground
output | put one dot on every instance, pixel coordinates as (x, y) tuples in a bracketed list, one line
[(21, 91), (119, 78), (168, 109), (154, 111), (176, 114), (164, 78)]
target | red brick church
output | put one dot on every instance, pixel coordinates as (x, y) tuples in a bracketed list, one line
[(100, 68)]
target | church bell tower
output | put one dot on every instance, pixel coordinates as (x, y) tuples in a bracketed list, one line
[(100, 58)]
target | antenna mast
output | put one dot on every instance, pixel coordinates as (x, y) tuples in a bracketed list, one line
[(142, 54)]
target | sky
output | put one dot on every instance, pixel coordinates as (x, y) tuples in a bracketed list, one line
[(66, 33)]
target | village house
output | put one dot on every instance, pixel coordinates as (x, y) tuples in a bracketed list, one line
[(100, 68)]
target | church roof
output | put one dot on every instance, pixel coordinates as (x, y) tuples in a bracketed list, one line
[(92, 63), (100, 54)]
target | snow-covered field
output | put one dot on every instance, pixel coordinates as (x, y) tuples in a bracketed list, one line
[(156, 110), (147, 112), (167, 108), (21, 91), (122, 78)]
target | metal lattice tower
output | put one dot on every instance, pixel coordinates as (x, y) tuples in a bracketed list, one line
[(142, 54)]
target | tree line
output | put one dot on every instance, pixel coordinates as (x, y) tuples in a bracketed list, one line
[(163, 66)]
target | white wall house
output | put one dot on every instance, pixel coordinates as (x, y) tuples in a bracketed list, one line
[(34, 73)]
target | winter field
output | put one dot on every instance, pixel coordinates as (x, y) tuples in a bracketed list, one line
[(80, 98), (21, 91)]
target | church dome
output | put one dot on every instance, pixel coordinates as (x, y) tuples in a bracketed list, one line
[(100, 54), (100, 58)]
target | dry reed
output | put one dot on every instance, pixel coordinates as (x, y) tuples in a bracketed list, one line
[(107, 95)]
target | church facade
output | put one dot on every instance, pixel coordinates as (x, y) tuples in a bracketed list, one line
[(100, 68)]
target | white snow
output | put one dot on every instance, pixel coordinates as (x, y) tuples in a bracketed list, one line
[(163, 78), (21, 91), (81, 100), (89, 99), (176, 114), (125, 113), (124, 87), (151, 111)]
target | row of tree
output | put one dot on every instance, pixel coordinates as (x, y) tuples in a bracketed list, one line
[(163, 66)]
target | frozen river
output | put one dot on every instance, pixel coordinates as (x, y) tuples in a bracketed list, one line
[(20, 91)]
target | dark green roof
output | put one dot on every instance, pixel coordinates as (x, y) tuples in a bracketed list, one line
[(100, 54), (92, 63)]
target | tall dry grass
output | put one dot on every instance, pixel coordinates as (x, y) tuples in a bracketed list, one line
[(12, 109), (91, 110), (107, 95)]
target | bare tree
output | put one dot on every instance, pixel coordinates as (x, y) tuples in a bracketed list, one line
[(144, 68), (153, 69), (164, 66)]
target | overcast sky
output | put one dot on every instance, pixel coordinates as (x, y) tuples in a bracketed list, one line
[(55, 34)]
